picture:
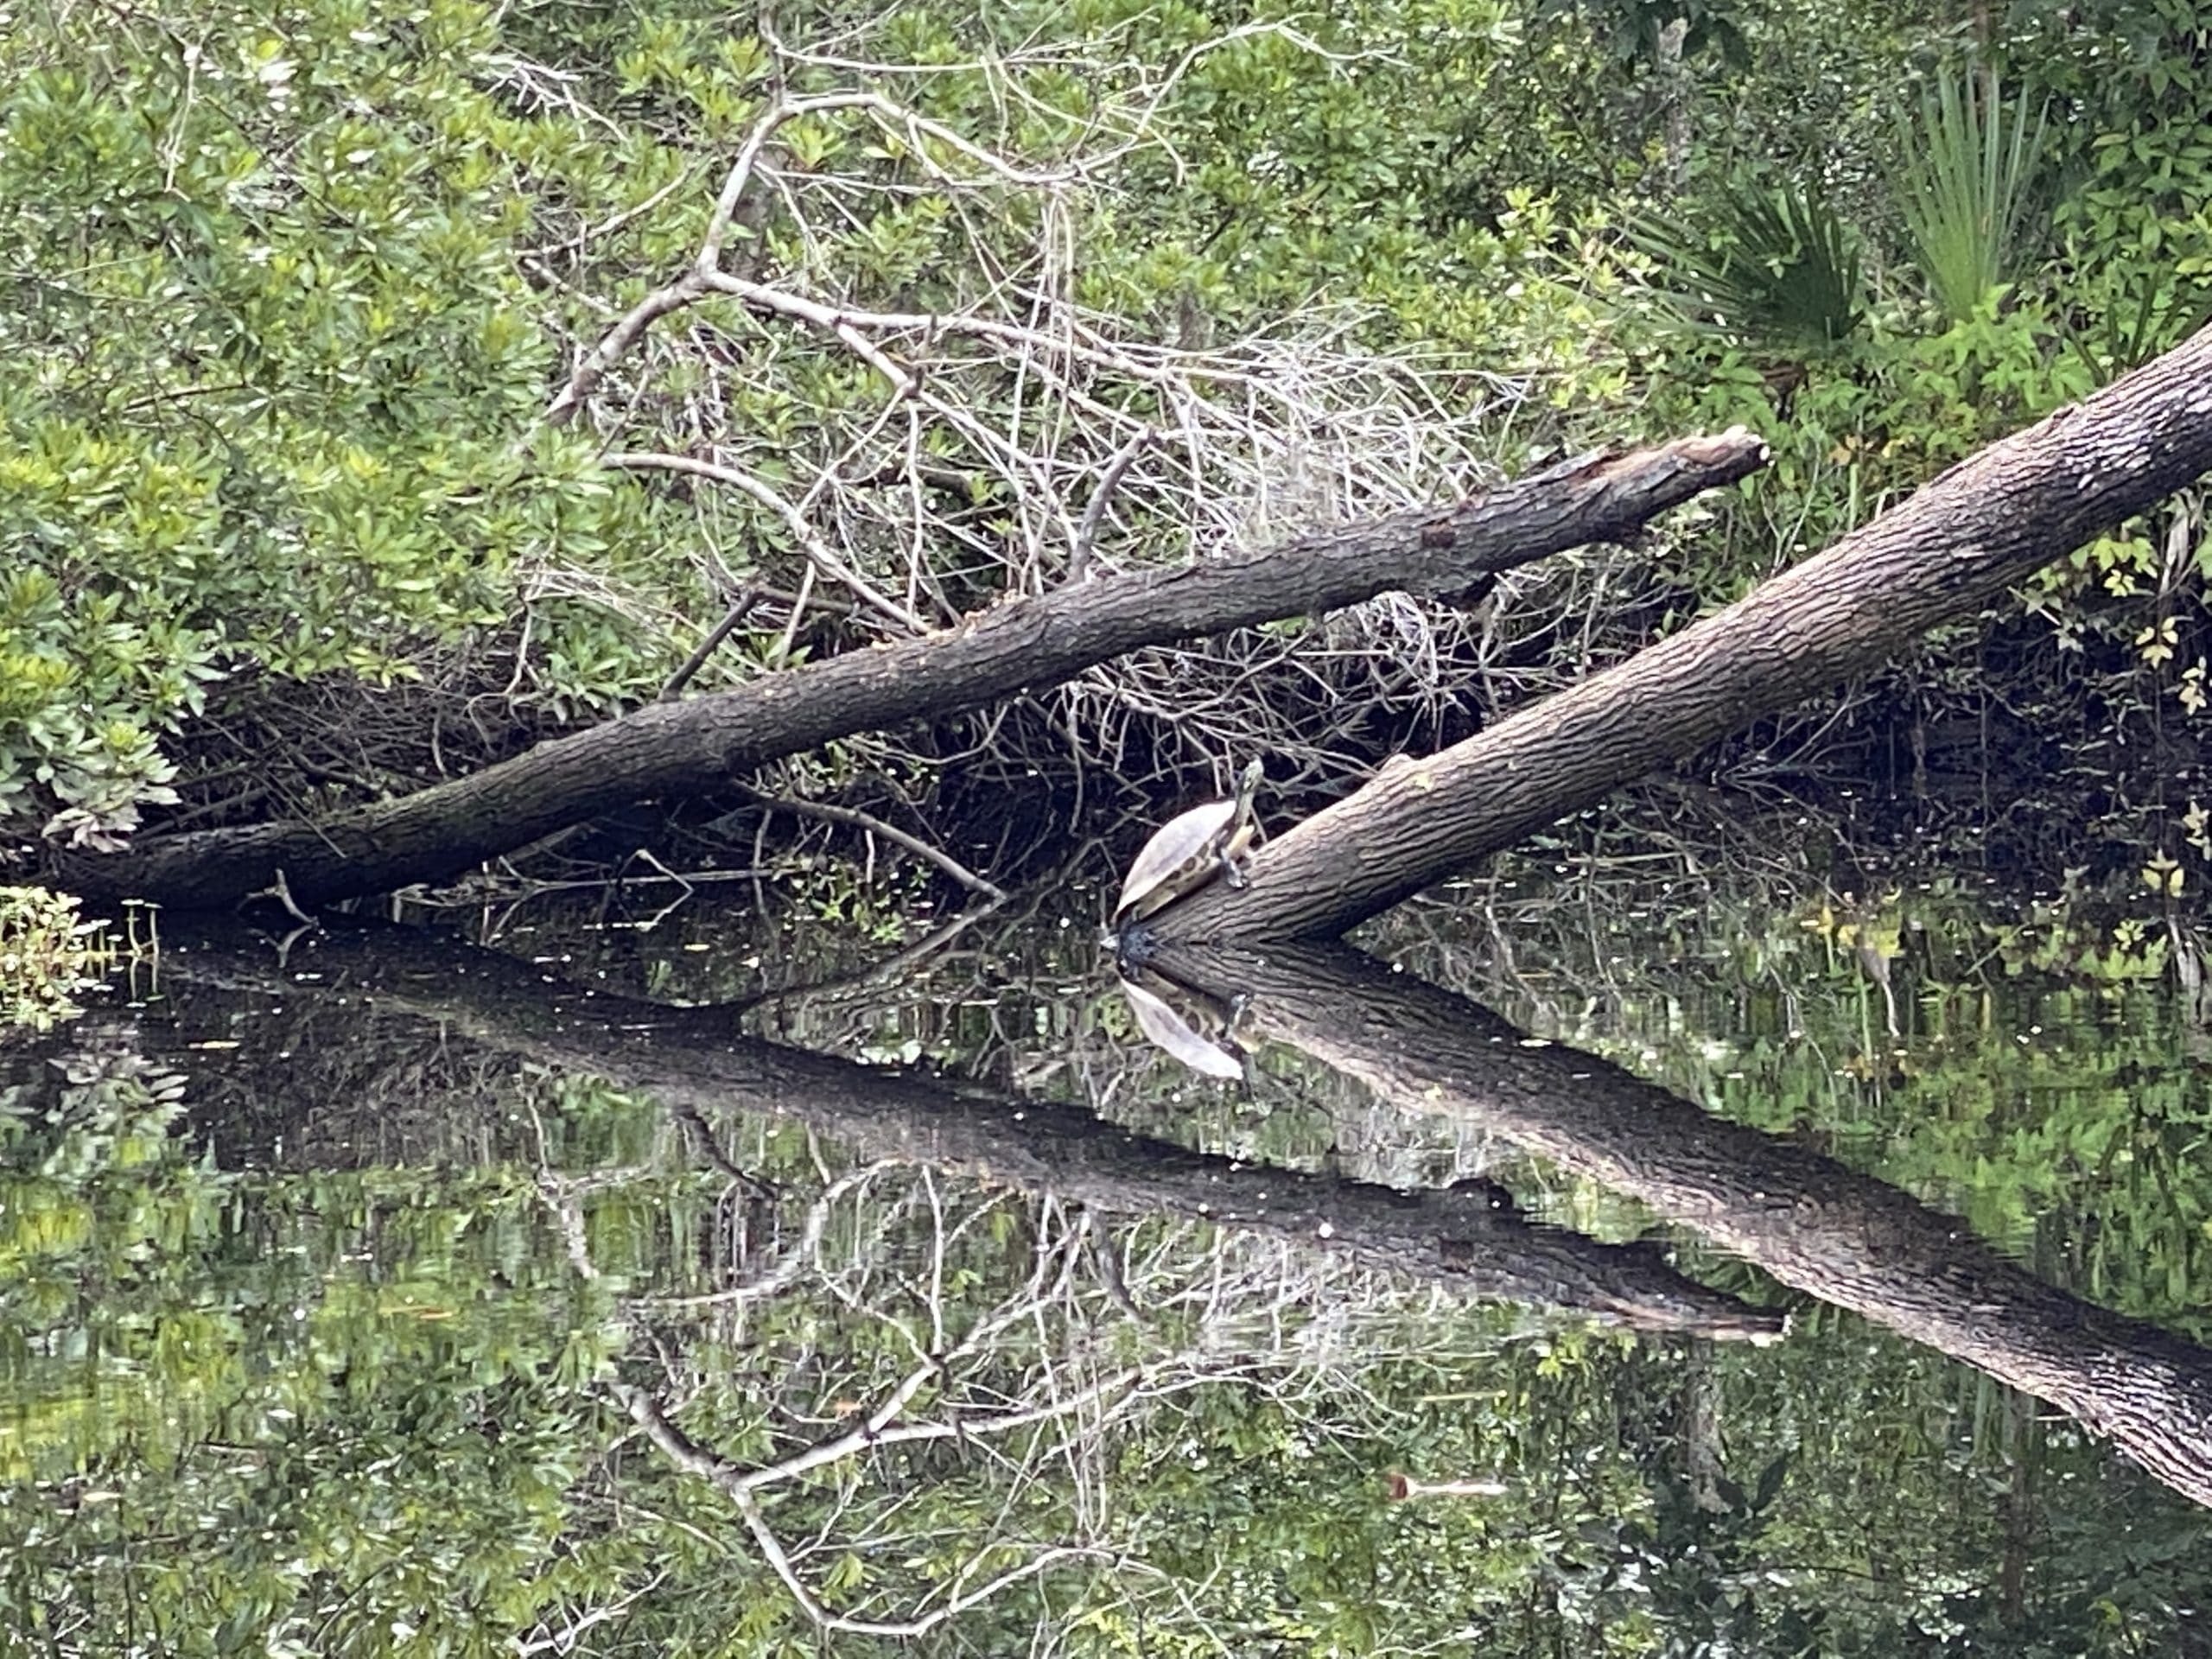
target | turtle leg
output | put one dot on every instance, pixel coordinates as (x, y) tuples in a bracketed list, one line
[(1232, 870)]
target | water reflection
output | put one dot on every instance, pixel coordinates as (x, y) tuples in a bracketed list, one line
[(505, 1310), (1808, 1220)]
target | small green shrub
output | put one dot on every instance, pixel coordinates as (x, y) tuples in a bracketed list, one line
[(1776, 267), (48, 955), (1970, 168)]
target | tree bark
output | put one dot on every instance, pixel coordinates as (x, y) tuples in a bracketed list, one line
[(1844, 1237), (699, 745), (1990, 521)]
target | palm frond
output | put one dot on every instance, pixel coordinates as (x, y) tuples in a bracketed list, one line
[(1969, 166), (1778, 265)]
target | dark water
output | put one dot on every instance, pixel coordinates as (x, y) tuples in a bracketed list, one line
[(386, 1295)]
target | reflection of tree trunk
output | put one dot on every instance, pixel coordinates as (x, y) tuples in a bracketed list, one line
[(1700, 1430), (1841, 1237), (1674, 98), (1470, 1238), (2022, 1444), (697, 746), (1987, 523)]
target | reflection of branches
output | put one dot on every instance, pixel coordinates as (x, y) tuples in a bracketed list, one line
[(743, 1486), (564, 1639), (880, 1428), (925, 1367), (1020, 1391), (796, 1258)]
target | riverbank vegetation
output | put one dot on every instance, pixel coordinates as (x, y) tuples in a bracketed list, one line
[(394, 391), (383, 417)]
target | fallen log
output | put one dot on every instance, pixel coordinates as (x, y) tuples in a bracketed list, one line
[(697, 745), (1992, 520)]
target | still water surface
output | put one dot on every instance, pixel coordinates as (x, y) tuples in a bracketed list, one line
[(391, 1296)]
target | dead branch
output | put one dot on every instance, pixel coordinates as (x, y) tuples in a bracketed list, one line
[(1991, 520)]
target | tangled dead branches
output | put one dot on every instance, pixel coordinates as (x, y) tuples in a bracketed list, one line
[(887, 373)]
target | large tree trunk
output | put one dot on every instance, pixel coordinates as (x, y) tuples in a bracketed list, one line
[(700, 745), (1992, 520)]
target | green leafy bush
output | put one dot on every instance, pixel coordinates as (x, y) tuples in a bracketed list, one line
[(48, 955), (275, 367)]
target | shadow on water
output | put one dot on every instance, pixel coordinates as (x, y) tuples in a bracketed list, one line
[(667, 1289)]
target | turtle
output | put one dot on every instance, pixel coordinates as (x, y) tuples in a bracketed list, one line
[(1190, 850)]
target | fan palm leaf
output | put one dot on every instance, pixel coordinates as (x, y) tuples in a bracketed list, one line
[(1778, 265), (1970, 164)]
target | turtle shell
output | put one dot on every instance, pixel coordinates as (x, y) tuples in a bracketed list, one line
[(1189, 851)]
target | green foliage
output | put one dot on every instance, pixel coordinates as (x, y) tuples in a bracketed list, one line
[(2130, 219), (289, 303), (1631, 28), (314, 1391), (1969, 175), (1778, 268), (2018, 338), (293, 302), (47, 956), (1860, 429), (277, 362), (1309, 159)]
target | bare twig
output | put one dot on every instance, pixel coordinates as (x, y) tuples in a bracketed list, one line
[(772, 1550), (1003, 431), (739, 608), (818, 550), (853, 819), (1086, 535)]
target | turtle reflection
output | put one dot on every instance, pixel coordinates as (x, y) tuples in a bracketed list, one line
[(1206, 1034)]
